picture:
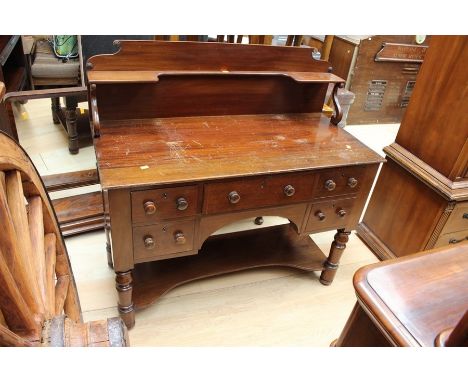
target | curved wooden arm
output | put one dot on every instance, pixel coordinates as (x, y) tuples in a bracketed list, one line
[(96, 126), (338, 110), (45, 93)]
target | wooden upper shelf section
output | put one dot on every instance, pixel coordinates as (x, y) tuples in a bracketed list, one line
[(186, 149), (141, 76), (162, 56)]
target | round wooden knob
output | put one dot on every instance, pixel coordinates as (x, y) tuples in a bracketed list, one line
[(234, 197), (149, 242), (330, 185), (181, 204), (352, 182), (289, 190), (321, 216), (341, 212), (150, 207), (179, 238)]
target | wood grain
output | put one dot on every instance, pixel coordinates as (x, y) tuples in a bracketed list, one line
[(433, 97), (162, 55), (202, 148), (36, 232), (50, 242), (414, 298)]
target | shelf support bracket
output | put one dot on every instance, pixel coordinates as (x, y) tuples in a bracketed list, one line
[(338, 115)]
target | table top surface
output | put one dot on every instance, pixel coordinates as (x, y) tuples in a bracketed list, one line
[(188, 149), (415, 297)]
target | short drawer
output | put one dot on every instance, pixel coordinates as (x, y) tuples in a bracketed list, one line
[(451, 238), (340, 181), (458, 219), (330, 214), (258, 192), (164, 203), (163, 240)]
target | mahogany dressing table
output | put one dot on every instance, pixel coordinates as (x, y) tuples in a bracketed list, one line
[(190, 137)]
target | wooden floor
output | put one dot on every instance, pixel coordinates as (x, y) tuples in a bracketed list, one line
[(266, 307)]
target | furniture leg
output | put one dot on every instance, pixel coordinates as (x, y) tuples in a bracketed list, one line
[(55, 107), (70, 116), (110, 263), (336, 250), (105, 203), (360, 331), (125, 305)]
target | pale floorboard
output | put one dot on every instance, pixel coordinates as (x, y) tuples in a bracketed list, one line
[(264, 307)]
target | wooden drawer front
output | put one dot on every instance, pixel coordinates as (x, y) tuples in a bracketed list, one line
[(340, 181), (159, 240), (164, 203), (451, 238), (458, 219), (257, 192), (331, 217)]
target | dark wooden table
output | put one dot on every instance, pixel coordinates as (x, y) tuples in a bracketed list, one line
[(229, 132), (409, 301)]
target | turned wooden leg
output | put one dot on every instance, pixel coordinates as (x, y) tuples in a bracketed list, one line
[(105, 203), (336, 250), (108, 247), (70, 116), (55, 107), (123, 284)]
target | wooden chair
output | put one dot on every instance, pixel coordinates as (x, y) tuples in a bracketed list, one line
[(39, 304)]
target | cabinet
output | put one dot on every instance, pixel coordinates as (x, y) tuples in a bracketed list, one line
[(421, 196)]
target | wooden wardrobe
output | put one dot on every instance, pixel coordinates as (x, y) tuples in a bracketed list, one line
[(420, 200)]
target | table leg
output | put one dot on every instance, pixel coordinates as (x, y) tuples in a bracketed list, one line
[(71, 120), (55, 107), (123, 284), (336, 250)]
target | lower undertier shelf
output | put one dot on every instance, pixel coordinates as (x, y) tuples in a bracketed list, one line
[(221, 254)]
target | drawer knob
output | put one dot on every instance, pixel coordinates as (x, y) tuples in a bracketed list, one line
[(149, 207), (179, 238), (465, 215), (321, 216), (330, 185), (234, 197), (341, 212), (289, 190), (181, 204), (352, 182), (149, 242)]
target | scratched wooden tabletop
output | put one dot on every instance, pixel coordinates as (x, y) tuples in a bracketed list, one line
[(185, 149)]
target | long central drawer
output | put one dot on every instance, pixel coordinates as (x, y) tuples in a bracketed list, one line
[(257, 192)]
